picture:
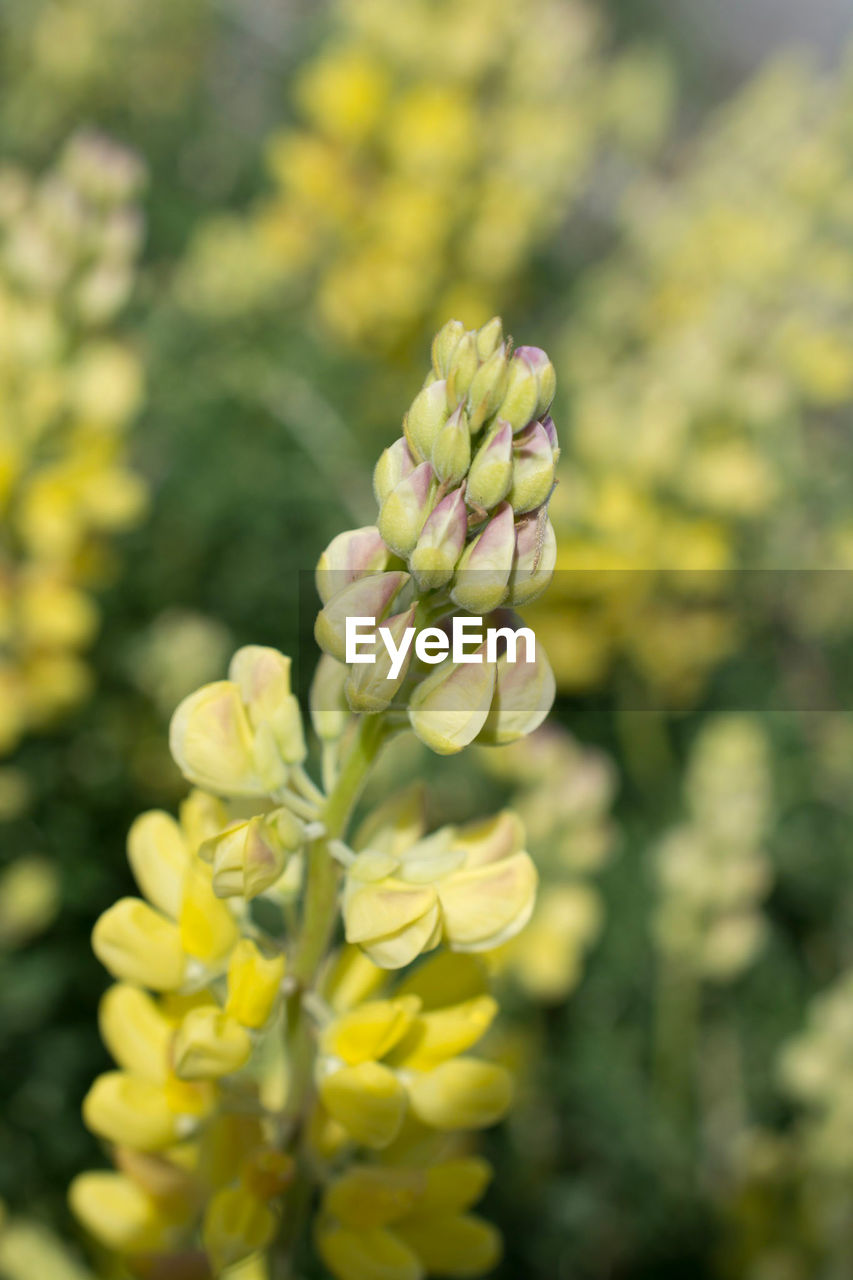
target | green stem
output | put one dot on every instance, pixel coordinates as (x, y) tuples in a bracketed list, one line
[(676, 1040), (320, 905)]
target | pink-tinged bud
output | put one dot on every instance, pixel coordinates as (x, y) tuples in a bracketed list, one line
[(349, 556), (532, 469), (329, 710), (395, 463), (553, 438), (463, 366), (369, 597), (441, 543), (480, 582), (451, 453), (534, 559), (524, 690), (449, 708), (489, 337), (490, 475), (530, 387), (406, 508), (426, 417), (444, 344), (487, 387), (371, 686)]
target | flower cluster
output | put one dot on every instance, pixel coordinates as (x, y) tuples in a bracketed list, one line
[(463, 527), (263, 1070), (68, 388), (706, 361), (711, 871), (439, 145)]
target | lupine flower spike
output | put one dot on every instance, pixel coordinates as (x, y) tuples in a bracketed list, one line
[(266, 1069)]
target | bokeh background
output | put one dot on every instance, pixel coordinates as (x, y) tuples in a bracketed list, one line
[(228, 229)]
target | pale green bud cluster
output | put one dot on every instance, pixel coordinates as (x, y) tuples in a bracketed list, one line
[(462, 527)]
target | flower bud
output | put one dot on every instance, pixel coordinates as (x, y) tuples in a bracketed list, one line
[(426, 417), (487, 388), (463, 366), (443, 346), (329, 709), (122, 1108), (369, 597), (236, 1225), (441, 542), (451, 453), (524, 694), (462, 1094), (254, 981), (484, 906), (349, 556), (370, 687), (532, 469), (159, 859), (117, 1212), (534, 559), (551, 432), (449, 708), (529, 388), (210, 739), (395, 463), (367, 1100), (393, 922), (208, 929), (209, 1044), (489, 337), (247, 857), (262, 675), (137, 944), (490, 474), (406, 508), (136, 1032), (481, 578)]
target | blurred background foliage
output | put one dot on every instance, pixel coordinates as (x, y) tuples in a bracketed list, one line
[(661, 197)]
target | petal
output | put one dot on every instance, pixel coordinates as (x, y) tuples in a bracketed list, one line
[(462, 1094), (380, 909), (135, 943), (124, 1109), (369, 1032), (434, 1037), (375, 1254), (459, 1245), (136, 1032), (368, 1100), (487, 905), (159, 858), (368, 1196), (211, 741)]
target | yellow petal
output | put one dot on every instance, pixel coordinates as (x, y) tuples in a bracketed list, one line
[(136, 1032), (443, 1033), (490, 840), (208, 929), (490, 904), (254, 981), (236, 1225), (210, 739), (446, 978), (116, 1211), (135, 943), (367, 1033), (263, 678), (201, 816), (375, 910), (159, 859), (210, 1044), (375, 1254), (458, 1245), (454, 1185), (353, 977), (124, 1109), (369, 1196), (367, 1100), (462, 1094), (394, 825), (398, 949)]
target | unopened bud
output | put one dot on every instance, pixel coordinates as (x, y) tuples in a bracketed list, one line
[(489, 337), (530, 387), (247, 858), (329, 710), (490, 475), (426, 417), (463, 366), (553, 439), (370, 687), (262, 675), (209, 1044), (349, 556), (451, 453), (449, 708), (369, 597), (254, 981), (406, 508), (444, 344), (395, 463), (480, 582), (534, 559), (441, 542), (524, 691), (487, 388), (532, 469)]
